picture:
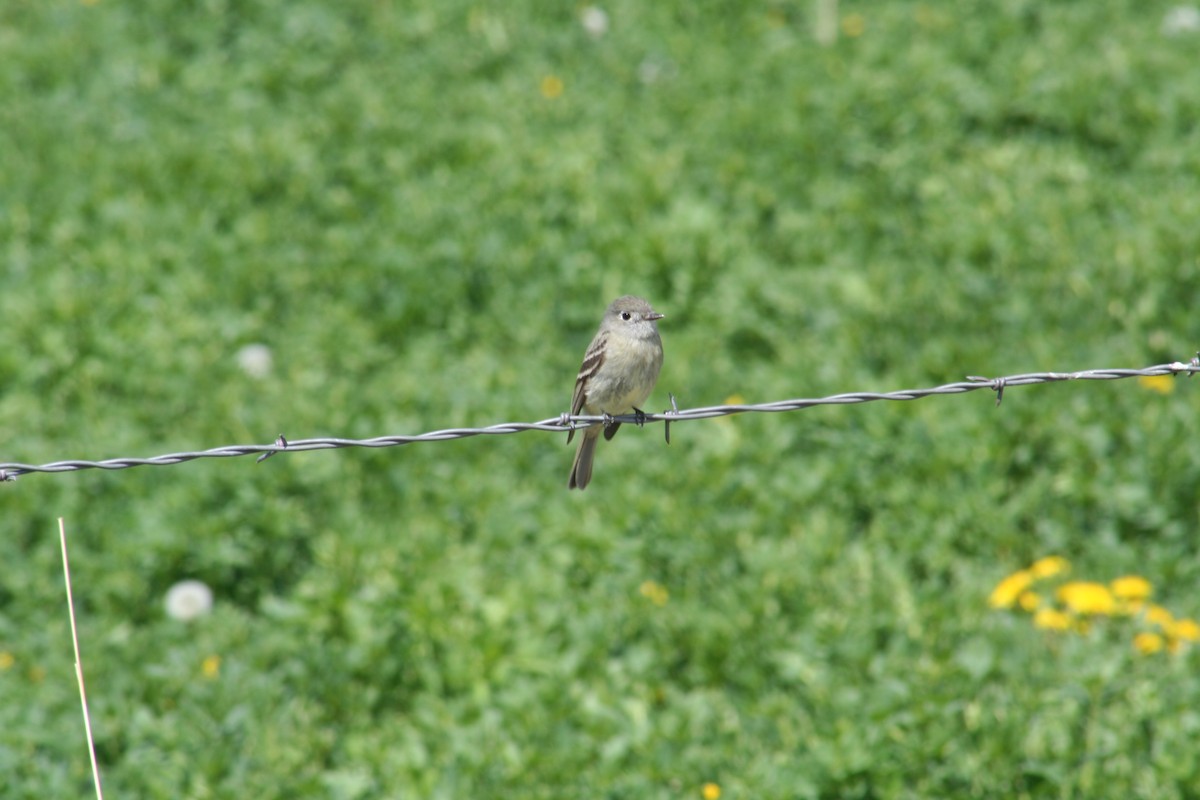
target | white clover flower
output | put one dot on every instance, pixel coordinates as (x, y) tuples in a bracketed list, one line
[(655, 68), (255, 360), (187, 600), (1181, 20)]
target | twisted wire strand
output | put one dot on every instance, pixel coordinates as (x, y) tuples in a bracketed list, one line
[(10, 471)]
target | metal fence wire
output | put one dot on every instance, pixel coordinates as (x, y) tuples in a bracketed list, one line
[(563, 422)]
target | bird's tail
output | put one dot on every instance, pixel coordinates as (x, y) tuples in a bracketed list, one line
[(581, 470)]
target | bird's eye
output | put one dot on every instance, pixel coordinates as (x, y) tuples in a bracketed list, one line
[(625, 315)]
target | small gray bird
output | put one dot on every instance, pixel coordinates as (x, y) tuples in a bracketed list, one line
[(619, 371)]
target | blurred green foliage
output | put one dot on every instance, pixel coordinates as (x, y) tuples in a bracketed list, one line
[(421, 209)]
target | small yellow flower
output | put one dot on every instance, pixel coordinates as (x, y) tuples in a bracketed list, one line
[(1008, 590), (552, 87), (1029, 601), (654, 592), (1163, 384), (710, 791), (735, 399), (1049, 566), (6, 660), (211, 666), (1087, 597), (1051, 619), (853, 25), (1157, 615), (1148, 643), (1131, 587), (1185, 629), (928, 18)]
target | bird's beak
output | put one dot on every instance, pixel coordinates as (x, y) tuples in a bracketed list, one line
[(653, 315)]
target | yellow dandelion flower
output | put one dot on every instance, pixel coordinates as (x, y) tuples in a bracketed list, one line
[(654, 592), (211, 666), (1157, 615), (1087, 597), (1131, 587), (1029, 601), (710, 791), (1008, 590), (6, 660), (1051, 619), (1163, 384), (552, 87), (854, 25), (1148, 643), (1049, 566), (1185, 629), (735, 399)]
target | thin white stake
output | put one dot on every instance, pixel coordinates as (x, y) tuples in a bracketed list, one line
[(87, 721), (826, 28)]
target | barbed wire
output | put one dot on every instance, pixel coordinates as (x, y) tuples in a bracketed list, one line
[(565, 422)]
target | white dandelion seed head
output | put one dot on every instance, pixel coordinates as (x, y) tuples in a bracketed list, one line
[(594, 20), (255, 360), (189, 599)]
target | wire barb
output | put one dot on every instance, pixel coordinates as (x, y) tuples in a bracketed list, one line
[(995, 384), (11, 471), (280, 442), (672, 411)]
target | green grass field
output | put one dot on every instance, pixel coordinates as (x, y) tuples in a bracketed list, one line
[(421, 210)]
